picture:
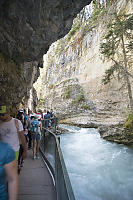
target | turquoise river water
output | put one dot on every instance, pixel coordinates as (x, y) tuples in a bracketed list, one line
[(98, 170)]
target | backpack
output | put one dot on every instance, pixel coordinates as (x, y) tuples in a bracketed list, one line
[(35, 127)]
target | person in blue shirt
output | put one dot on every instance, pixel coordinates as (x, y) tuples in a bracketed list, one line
[(47, 119), (8, 173), (36, 128)]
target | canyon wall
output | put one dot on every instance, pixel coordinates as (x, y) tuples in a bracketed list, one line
[(71, 79), (27, 29)]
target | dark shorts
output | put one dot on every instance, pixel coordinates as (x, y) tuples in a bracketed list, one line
[(35, 136)]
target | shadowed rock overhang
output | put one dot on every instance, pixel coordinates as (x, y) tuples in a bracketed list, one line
[(28, 27)]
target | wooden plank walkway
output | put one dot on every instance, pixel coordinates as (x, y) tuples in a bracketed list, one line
[(35, 182)]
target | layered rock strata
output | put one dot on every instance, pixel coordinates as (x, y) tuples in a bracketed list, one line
[(27, 28), (71, 81)]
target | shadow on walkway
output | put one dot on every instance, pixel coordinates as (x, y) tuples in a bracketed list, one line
[(35, 182)]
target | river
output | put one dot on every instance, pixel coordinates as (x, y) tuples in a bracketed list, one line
[(98, 169)]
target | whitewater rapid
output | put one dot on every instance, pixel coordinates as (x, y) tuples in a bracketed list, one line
[(98, 170)]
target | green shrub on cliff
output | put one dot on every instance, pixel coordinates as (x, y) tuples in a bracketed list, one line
[(74, 29), (85, 107), (80, 98), (67, 93), (51, 85), (129, 122), (41, 101)]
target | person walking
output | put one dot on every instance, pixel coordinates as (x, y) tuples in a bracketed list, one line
[(36, 128), (20, 116), (8, 173), (29, 131), (11, 131), (47, 119)]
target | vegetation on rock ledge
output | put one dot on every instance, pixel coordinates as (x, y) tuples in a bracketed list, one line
[(129, 122)]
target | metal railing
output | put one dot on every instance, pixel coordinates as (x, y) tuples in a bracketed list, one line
[(50, 149)]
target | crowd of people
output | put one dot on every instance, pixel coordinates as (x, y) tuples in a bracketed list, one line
[(16, 136)]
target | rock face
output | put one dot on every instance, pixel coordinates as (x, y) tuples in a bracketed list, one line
[(71, 83), (71, 80), (117, 134), (27, 28), (16, 81)]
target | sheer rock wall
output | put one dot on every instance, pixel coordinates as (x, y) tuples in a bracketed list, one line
[(75, 68), (27, 28)]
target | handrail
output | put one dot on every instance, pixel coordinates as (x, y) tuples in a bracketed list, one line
[(50, 149)]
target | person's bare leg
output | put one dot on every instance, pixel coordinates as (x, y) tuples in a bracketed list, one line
[(34, 148), (37, 147)]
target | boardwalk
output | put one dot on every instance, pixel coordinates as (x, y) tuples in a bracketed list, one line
[(35, 182)]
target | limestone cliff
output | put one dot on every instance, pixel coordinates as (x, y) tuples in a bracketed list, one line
[(15, 82), (27, 28), (71, 80)]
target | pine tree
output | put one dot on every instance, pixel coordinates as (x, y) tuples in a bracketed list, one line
[(117, 46)]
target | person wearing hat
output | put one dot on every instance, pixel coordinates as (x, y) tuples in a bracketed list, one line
[(11, 131)]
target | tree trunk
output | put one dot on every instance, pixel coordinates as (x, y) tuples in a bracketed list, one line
[(129, 92), (104, 3), (127, 77)]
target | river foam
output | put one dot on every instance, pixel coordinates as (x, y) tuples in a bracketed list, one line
[(98, 170)]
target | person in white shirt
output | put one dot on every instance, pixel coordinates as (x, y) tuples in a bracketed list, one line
[(11, 131)]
